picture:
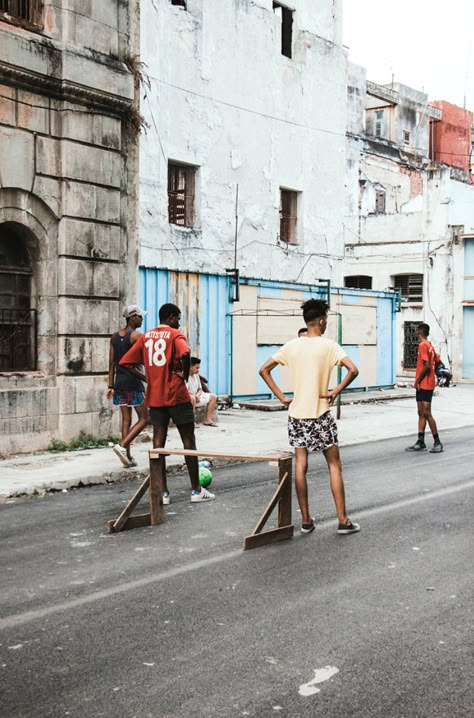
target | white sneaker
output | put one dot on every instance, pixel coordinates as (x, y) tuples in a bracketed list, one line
[(121, 452), (166, 498), (201, 496)]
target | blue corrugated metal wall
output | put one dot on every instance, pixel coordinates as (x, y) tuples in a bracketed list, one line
[(209, 335)]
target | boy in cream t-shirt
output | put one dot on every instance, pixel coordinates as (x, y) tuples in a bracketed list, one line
[(311, 426)]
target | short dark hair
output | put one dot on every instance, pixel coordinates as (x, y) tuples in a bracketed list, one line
[(303, 330), (425, 328), (195, 360), (314, 309), (168, 310)]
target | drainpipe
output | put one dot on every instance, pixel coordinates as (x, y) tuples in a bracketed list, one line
[(339, 369)]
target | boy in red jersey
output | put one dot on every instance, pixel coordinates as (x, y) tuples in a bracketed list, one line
[(425, 383), (166, 356)]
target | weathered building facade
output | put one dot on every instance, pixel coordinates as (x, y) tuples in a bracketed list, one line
[(409, 218), (68, 251), (243, 164)]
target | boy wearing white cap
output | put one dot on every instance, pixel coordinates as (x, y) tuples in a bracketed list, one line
[(126, 383)]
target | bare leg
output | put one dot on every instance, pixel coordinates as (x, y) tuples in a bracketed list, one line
[(159, 442), (337, 484), (301, 485), (428, 417), (421, 416), (126, 412), (143, 420), (186, 431), (210, 408)]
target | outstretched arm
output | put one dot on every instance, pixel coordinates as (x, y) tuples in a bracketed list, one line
[(266, 374), (352, 372)]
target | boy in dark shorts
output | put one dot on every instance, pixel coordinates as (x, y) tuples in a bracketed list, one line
[(425, 383), (126, 385), (311, 427), (166, 356)]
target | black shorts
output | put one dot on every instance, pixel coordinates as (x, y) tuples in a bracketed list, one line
[(424, 394), (180, 414)]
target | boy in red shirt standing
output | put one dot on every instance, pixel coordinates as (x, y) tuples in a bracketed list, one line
[(166, 356), (425, 383)]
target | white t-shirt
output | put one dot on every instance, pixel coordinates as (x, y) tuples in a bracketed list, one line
[(194, 383), (310, 361)]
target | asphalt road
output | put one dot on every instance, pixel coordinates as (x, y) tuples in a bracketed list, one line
[(176, 621)]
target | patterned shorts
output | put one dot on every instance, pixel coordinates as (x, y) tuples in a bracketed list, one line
[(128, 398), (313, 434)]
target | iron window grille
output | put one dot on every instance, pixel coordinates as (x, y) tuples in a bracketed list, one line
[(17, 339), (410, 345), (181, 193), (288, 215), (28, 13), (358, 281), (410, 287), (406, 137)]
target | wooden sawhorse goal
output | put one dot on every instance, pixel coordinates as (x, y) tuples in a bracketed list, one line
[(258, 537)]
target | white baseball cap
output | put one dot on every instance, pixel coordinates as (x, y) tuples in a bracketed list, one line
[(132, 310)]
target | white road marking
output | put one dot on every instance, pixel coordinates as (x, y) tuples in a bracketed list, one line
[(20, 619), (320, 676)]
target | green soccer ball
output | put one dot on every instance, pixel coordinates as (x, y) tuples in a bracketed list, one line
[(205, 477)]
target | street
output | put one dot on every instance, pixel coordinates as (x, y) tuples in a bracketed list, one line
[(176, 621)]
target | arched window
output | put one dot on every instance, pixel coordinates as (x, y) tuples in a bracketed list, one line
[(17, 318)]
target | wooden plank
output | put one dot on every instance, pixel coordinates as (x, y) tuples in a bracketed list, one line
[(157, 512), (155, 453), (133, 522), (264, 518), (284, 507), (267, 537), (118, 523)]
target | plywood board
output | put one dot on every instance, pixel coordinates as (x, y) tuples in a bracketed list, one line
[(368, 366), (245, 344), (359, 324), (279, 326)]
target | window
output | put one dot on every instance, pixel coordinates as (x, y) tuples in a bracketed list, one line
[(379, 124), (410, 345), (379, 201), (406, 137), (23, 12), (410, 286), (286, 16), (179, 3), (181, 189), (288, 215), (358, 281), (17, 319)]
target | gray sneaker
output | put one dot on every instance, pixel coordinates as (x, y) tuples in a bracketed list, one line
[(350, 528), (417, 446), (437, 448)]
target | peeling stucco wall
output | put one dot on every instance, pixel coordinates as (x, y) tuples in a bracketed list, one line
[(223, 98)]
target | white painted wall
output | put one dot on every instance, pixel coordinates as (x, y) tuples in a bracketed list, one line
[(223, 98)]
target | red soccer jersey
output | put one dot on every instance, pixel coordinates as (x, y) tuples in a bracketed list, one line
[(160, 351), (427, 353)]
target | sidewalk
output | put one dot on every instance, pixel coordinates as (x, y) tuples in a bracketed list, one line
[(380, 415)]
